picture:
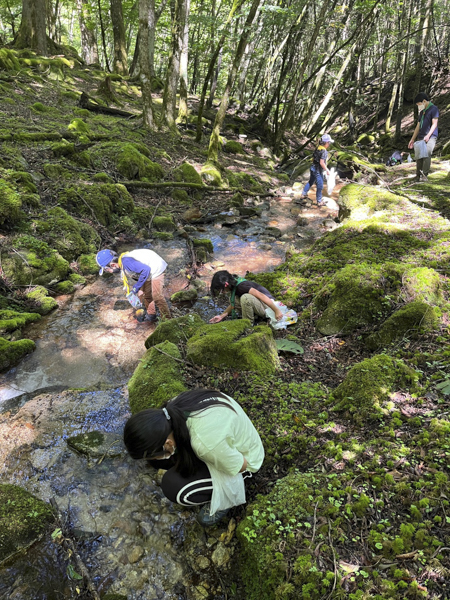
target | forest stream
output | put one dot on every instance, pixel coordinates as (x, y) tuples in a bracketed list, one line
[(132, 540)]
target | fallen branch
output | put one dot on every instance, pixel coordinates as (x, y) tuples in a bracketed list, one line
[(196, 186), (87, 103), (183, 362)]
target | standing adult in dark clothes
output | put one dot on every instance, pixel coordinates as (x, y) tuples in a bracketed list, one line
[(426, 130)]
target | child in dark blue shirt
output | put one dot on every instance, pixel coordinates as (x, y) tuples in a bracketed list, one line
[(319, 165)]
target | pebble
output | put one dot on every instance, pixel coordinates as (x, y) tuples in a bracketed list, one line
[(136, 554), (221, 555)]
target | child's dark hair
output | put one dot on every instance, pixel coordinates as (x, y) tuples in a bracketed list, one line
[(421, 96), (146, 432), (220, 279)]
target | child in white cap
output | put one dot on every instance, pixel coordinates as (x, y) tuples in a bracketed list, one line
[(317, 168)]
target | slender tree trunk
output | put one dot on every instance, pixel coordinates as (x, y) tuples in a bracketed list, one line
[(183, 107), (102, 30), (145, 7), (398, 126), (89, 50), (120, 42), (212, 91), (169, 105), (213, 150), (32, 31), (153, 18), (52, 11), (424, 29)]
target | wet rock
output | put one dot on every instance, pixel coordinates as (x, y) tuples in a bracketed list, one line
[(302, 222), (41, 458), (199, 285), (192, 214), (329, 224), (136, 554), (96, 444), (230, 221), (184, 296), (202, 562), (295, 211), (217, 264), (274, 231), (265, 247), (23, 519), (249, 211), (221, 555)]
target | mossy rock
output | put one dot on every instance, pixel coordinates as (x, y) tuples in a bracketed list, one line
[(203, 243), (163, 235), (246, 181), (11, 158), (175, 330), (353, 298), (63, 148), (87, 264), (410, 320), (157, 379), (97, 444), (38, 107), (211, 175), (10, 204), (184, 296), (67, 235), (181, 196), (77, 279), (64, 287), (201, 254), (11, 353), (79, 128), (23, 519), (233, 147), (42, 303), (56, 171), (236, 345), (359, 202), (421, 283), (33, 262), (103, 200), (10, 320), (187, 173), (366, 389), (8, 60), (128, 160), (366, 139), (164, 224), (236, 200), (102, 178)]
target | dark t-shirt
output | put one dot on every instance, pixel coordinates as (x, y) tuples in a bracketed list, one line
[(319, 154), (431, 113), (246, 286)]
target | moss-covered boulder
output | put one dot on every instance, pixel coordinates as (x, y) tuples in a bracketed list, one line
[(63, 148), (56, 171), (359, 202), (23, 519), (41, 302), (175, 330), (10, 204), (9, 60), (69, 236), (87, 264), (184, 296), (33, 262), (187, 173), (353, 298), (211, 174), (203, 243), (77, 279), (236, 200), (64, 287), (128, 159), (234, 344), (421, 283), (233, 147), (365, 391), (164, 224), (181, 196), (11, 353), (104, 201), (157, 379), (10, 320), (79, 128), (245, 180), (408, 321)]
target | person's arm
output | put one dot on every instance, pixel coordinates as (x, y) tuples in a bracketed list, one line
[(414, 135), (223, 316), (323, 164), (142, 270), (434, 123), (268, 302), (244, 466)]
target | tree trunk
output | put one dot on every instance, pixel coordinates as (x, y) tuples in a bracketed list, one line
[(213, 150), (398, 127), (152, 22), (120, 42), (32, 31), (212, 91), (145, 8), (183, 108), (419, 51), (89, 50), (102, 29)]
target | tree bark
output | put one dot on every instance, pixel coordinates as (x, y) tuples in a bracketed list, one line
[(145, 9), (183, 107), (89, 50), (102, 29), (213, 150), (120, 64), (32, 31), (173, 70), (398, 126)]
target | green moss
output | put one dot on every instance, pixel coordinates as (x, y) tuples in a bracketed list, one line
[(9, 60), (416, 317), (95, 444), (80, 128), (203, 243), (246, 181), (38, 107), (184, 296), (103, 178), (23, 518), (64, 287), (10, 320), (157, 379), (11, 353), (63, 148), (366, 139), (211, 174), (421, 283), (164, 224), (128, 160), (10, 204), (368, 385), (83, 113), (236, 200), (162, 235), (187, 173), (233, 147), (175, 330), (234, 344), (77, 279), (181, 196), (104, 201), (360, 202), (40, 300), (44, 136), (56, 171), (87, 264)]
